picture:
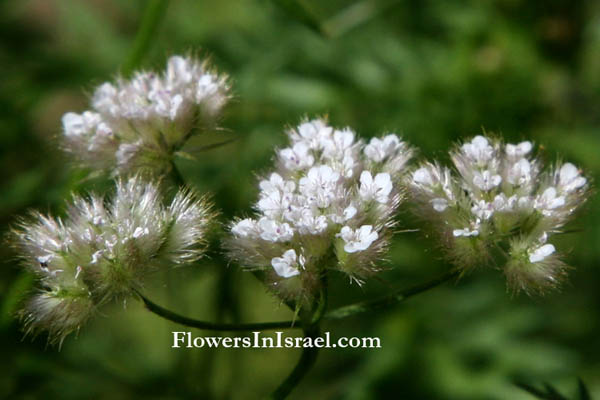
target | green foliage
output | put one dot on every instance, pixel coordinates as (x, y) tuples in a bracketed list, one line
[(432, 70)]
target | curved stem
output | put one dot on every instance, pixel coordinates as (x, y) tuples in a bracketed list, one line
[(153, 13), (311, 321), (194, 323), (395, 297), (339, 313), (176, 175), (305, 363)]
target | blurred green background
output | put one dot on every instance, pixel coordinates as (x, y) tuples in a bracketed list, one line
[(433, 71)]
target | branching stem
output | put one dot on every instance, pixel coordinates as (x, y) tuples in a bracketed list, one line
[(388, 300)]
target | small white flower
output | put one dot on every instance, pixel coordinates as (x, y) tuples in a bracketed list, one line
[(314, 133), (482, 209), (486, 180), (548, 201), (519, 173), (439, 204), (423, 177), (503, 204), (379, 149), (276, 196), (478, 150), (286, 266), (308, 222), (274, 231), (319, 185), (378, 189), (358, 240), (339, 144), (245, 228), (297, 157), (516, 151), (569, 178), (466, 232), (540, 253)]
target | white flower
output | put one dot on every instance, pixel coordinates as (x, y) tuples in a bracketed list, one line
[(569, 178), (378, 189), (276, 196), (245, 228), (358, 240), (319, 185), (379, 149), (339, 144), (466, 232), (439, 204), (274, 231), (519, 173), (540, 253), (87, 123), (342, 215), (478, 150), (307, 221), (548, 201), (486, 180), (422, 176), (501, 203), (287, 265), (483, 209), (349, 212), (516, 151), (297, 157), (314, 133)]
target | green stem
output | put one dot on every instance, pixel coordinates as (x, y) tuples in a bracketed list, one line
[(176, 176), (393, 298), (305, 363), (339, 313), (194, 323), (311, 321), (153, 13)]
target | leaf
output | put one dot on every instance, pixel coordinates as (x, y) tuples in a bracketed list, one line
[(13, 297), (584, 393), (302, 14), (549, 394)]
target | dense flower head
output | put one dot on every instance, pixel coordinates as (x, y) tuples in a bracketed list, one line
[(103, 250), (500, 201), (138, 123), (328, 204)]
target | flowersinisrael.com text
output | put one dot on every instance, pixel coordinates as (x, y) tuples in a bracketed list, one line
[(258, 340)]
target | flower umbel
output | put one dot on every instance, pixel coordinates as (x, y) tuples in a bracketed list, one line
[(329, 204), (139, 123), (501, 202), (103, 250)]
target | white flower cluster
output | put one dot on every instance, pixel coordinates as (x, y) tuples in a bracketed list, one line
[(104, 250), (329, 204), (501, 197), (139, 123)]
